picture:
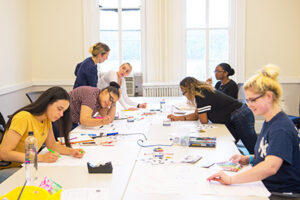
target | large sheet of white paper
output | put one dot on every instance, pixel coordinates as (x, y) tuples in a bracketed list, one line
[(181, 179)]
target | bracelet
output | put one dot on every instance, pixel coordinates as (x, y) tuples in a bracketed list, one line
[(184, 118), (250, 159)]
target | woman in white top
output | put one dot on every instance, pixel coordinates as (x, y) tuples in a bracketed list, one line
[(118, 77)]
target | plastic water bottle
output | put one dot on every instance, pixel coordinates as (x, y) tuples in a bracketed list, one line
[(31, 166), (162, 105)]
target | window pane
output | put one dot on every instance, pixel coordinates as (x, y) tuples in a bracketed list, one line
[(196, 54), (108, 3), (218, 13), (131, 3), (108, 20), (218, 45), (111, 39), (131, 19), (131, 49), (195, 13)]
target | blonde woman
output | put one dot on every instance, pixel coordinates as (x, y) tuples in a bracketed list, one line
[(124, 70), (276, 159), (218, 107), (86, 72)]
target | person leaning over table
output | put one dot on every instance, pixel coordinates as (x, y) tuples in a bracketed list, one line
[(220, 108), (118, 77), (86, 72), (86, 101), (52, 105), (276, 159), (225, 84)]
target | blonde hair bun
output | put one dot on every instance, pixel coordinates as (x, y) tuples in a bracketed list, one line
[(271, 71)]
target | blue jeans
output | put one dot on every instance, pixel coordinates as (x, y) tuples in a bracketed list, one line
[(5, 173), (241, 126)]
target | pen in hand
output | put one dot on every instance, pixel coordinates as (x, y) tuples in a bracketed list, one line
[(53, 152)]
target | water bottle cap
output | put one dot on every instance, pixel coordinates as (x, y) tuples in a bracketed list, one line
[(30, 133)]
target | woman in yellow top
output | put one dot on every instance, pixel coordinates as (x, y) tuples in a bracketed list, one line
[(52, 105)]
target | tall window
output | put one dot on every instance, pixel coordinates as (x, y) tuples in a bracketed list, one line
[(120, 29), (207, 36)]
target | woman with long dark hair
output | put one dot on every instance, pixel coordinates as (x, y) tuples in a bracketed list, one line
[(52, 105)]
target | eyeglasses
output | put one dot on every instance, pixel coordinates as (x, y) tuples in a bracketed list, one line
[(253, 100), (218, 71), (111, 99)]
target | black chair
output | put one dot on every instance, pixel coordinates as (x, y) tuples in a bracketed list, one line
[(32, 96), (2, 131), (296, 119)]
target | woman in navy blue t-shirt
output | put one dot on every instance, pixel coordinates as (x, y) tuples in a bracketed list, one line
[(86, 72), (276, 159)]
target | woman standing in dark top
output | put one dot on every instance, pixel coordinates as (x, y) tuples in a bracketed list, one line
[(86, 72), (217, 107), (225, 84)]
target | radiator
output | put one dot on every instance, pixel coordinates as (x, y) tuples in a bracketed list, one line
[(161, 90)]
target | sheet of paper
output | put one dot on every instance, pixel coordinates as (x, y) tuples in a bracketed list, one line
[(182, 179), (100, 154), (85, 193)]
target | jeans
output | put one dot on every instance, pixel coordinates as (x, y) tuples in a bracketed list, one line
[(241, 126), (5, 173)]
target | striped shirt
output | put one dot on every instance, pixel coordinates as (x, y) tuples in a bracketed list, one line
[(217, 105)]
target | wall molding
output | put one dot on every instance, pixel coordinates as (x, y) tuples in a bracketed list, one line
[(26, 84), (14, 87)]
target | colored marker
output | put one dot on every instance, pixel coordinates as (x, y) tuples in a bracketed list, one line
[(99, 117), (89, 134), (114, 133), (81, 151), (73, 138), (52, 151)]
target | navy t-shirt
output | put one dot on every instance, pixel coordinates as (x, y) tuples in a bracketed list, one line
[(86, 74), (279, 137), (217, 105), (230, 88)]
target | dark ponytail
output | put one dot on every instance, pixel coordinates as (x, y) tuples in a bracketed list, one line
[(113, 87), (226, 67)]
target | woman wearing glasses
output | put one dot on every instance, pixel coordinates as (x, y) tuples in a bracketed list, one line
[(277, 151), (217, 107), (118, 77), (225, 84), (86, 101)]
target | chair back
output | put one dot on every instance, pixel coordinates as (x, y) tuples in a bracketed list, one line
[(32, 96), (2, 127)]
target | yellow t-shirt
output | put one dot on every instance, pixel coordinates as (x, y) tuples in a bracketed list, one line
[(24, 122)]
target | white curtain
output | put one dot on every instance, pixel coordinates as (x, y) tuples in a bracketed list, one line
[(164, 57), (90, 12)]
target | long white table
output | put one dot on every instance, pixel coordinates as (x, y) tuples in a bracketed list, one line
[(132, 177)]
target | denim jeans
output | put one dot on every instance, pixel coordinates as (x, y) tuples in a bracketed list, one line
[(241, 126)]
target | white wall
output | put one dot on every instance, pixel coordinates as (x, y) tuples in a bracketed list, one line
[(15, 63), (57, 39), (272, 36)]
